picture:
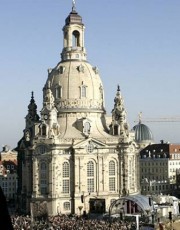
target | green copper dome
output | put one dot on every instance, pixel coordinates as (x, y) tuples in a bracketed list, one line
[(142, 133)]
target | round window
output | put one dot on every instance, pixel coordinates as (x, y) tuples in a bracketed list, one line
[(90, 148)]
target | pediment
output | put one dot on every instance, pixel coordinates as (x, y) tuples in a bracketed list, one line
[(96, 143)]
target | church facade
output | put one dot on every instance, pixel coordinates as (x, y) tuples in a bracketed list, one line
[(70, 160)]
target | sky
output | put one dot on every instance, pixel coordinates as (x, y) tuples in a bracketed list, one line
[(134, 43)]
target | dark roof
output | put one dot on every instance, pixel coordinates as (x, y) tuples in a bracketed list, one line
[(73, 18), (160, 148)]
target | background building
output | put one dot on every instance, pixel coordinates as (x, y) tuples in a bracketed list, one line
[(8, 173), (8, 154), (159, 167)]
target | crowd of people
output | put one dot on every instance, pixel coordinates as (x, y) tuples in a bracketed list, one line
[(59, 222), (69, 222)]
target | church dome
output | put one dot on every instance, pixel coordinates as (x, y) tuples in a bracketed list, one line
[(142, 133), (76, 86)]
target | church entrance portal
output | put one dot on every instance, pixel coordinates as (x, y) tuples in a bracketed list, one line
[(97, 205)]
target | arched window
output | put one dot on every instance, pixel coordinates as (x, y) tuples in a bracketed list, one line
[(83, 91), (87, 128), (65, 39), (90, 147), (75, 38), (62, 69), (90, 176), (44, 130), (66, 179), (90, 169), (58, 92), (65, 169), (116, 128), (111, 168), (112, 174), (43, 166), (43, 178)]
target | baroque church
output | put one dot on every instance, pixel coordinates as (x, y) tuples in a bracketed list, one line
[(71, 158)]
